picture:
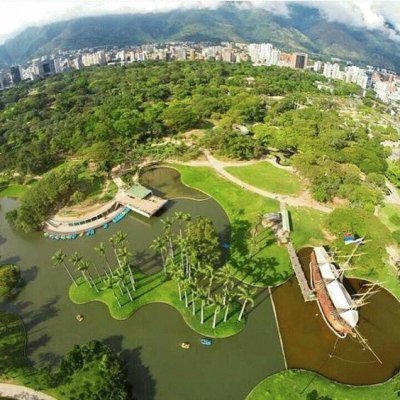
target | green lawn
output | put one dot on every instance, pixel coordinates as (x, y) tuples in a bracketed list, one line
[(271, 266), (371, 262), (389, 214), (14, 190), (265, 176), (155, 289), (307, 225), (305, 385)]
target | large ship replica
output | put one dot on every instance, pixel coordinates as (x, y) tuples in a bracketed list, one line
[(337, 306)]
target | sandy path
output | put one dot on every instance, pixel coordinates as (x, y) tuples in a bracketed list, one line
[(304, 200), (22, 393)]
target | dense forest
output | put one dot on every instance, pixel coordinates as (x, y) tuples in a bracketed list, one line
[(114, 115)]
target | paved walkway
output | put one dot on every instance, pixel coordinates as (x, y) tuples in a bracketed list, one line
[(304, 200), (22, 393), (394, 196)]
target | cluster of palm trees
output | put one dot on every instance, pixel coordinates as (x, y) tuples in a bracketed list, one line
[(119, 278), (200, 285)]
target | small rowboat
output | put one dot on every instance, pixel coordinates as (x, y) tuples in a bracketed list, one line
[(185, 345), (206, 341)]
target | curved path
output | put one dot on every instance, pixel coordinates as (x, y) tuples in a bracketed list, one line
[(22, 393), (304, 200)]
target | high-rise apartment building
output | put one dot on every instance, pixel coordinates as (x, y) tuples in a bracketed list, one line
[(298, 60), (16, 74), (46, 68)]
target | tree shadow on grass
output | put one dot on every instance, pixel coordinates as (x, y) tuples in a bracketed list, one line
[(143, 384)]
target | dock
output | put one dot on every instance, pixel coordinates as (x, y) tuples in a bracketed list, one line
[(306, 291)]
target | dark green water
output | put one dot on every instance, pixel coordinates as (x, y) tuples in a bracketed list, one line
[(310, 344), (149, 341)]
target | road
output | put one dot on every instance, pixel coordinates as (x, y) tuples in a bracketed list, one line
[(22, 393)]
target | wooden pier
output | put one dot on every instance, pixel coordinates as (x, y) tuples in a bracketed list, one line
[(306, 291)]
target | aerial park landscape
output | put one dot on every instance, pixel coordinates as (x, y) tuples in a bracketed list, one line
[(160, 269)]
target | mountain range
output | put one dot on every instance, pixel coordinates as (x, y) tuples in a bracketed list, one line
[(304, 29)]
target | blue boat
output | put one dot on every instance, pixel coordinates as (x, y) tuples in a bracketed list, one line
[(206, 341)]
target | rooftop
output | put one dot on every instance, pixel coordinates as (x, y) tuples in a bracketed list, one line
[(138, 191)]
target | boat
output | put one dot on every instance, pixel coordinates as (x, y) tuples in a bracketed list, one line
[(335, 303), (185, 345), (79, 318), (206, 341)]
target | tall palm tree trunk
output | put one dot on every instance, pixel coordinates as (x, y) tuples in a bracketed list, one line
[(215, 318), (69, 273), (226, 313), (180, 291), (193, 304), (186, 298), (242, 310)]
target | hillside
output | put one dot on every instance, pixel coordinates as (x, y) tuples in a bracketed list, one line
[(304, 30)]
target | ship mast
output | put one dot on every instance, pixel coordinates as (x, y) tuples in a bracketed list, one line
[(365, 344)]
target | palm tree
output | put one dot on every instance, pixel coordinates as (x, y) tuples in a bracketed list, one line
[(227, 303), (194, 286), (117, 240), (209, 273), (159, 245), (110, 285), (225, 276), (178, 276), (83, 267), (202, 295), (121, 283), (217, 301), (179, 216), (187, 218), (59, 258), (186, 286), (126, 264), (182, 243), (246, 295), (93, 281), (168, 234), (75, 259), (102, 250)]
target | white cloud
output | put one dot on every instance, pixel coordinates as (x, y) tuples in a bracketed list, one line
[(18, 14)]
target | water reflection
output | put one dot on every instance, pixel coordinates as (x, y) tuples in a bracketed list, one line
[(310, 344), (149, 341)]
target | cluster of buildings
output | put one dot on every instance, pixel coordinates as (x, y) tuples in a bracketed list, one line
[(386, 84)]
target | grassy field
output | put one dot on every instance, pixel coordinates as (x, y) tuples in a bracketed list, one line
[(371, 262), (389, 214), (265, 176), (14, 190), (304, 385), (155, 289), (271, 266)]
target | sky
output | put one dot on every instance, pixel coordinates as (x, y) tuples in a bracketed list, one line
[(18, 14)]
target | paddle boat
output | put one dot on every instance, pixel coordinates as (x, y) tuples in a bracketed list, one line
[(185, 345), (206, 341), (79, 318)]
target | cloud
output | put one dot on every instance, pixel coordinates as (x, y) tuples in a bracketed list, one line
[(369, 14)]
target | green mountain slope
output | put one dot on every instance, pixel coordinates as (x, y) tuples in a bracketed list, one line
[(305, 30)]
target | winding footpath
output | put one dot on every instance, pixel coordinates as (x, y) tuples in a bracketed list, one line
[(304, 200), (22, 393)]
